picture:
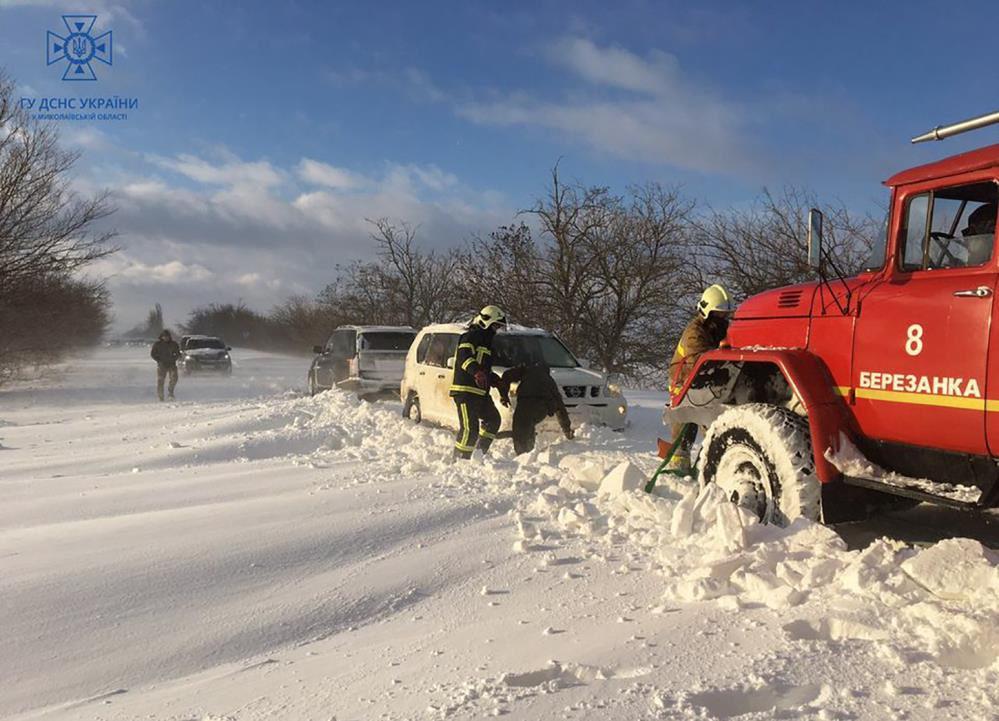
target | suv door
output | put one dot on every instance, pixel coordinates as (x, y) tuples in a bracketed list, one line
[(420, 380), (323, 365), (343, 347), (439, 376), (922, 334)]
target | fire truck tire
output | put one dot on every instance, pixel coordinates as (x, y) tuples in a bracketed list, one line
[(761, 456)]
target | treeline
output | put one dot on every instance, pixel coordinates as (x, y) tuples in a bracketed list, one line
[(47, 306), (615, 276)]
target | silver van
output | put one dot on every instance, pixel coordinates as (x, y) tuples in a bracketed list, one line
[(366, 359)]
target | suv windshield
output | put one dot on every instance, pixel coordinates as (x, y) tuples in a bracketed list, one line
[(386, 340), (513, 350), (194, 343)]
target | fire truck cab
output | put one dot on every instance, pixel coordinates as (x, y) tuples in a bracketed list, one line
[(833, 396)]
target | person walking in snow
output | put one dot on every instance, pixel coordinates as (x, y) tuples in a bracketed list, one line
[(538, 397), (704, 332), (165, 352), (478, 419)]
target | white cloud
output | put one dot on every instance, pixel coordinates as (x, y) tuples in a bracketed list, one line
[(319, 173), (414, 178), (230, 171), (615, 67), (229, 229), (641, 108), (170, 272), (108, 12), (86, 137)]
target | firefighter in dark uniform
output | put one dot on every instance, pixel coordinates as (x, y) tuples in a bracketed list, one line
[(478, 419), (538, 397)]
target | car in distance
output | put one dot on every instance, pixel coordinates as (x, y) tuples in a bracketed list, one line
[(204, 353), (426, 382), (365, 359)]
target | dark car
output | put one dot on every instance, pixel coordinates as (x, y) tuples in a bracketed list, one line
[(368, 360), (203, 353)]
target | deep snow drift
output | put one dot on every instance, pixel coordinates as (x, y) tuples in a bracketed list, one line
[(257, 553)]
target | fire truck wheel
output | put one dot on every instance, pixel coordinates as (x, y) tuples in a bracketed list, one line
[(761, 456)]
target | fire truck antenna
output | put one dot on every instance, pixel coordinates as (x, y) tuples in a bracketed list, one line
[(945, 131)]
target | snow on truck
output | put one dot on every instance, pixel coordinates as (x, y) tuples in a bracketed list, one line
[(830, 395)]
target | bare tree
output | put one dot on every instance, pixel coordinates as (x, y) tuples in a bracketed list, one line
[(151, 327), (569, 216), (46, 238), (49, 317), (304, 321), (643, 279), (421, 281), (405, 285), (503, 269), (751, 250), (45, 228), (616, 277), (609, 275), (237, 324), (363, 293)]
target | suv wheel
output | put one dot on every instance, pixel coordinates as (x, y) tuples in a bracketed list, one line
[(761, 456), (411, 408)]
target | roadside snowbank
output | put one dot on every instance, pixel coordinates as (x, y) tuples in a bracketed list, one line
[(941, 601)]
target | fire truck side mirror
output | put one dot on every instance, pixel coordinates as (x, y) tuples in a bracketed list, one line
[(815, 239)]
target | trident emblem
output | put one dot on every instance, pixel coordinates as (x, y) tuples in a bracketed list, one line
[(79, 48)]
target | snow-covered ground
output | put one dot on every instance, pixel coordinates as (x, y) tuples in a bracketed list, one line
[(248, 552)]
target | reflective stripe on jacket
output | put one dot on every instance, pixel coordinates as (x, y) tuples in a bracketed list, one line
[(474, 353)]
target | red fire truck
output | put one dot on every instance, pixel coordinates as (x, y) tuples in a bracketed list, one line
[(832, 395)]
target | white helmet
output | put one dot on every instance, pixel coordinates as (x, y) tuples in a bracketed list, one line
[(489, 316), (714, 300)]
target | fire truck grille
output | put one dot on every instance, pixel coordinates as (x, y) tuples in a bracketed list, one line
[(789, 299)]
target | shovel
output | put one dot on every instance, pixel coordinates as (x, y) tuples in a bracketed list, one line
[(667, 456)]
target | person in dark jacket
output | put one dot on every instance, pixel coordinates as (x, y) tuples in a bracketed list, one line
[(538, 397), (478, 419), (165, 352)]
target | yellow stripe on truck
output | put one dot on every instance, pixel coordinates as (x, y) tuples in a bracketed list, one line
[(922, 399)]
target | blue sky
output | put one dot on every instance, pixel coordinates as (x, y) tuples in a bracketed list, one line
[(268, 131)]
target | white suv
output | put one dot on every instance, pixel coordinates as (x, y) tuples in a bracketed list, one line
[(426, 381)]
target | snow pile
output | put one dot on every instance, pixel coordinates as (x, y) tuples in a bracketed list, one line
[(942, 601), (624, 477), (851, 462), (498, 694)]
